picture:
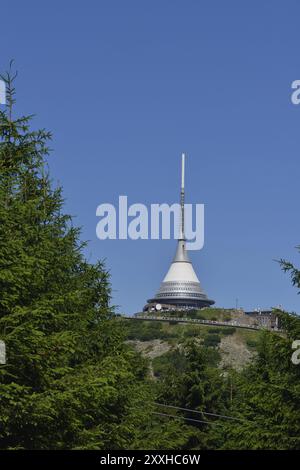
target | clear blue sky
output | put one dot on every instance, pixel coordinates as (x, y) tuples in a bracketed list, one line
[(126, 86)]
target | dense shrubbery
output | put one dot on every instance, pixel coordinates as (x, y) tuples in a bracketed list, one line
[(147, 330), (228, 331), (212, 340), (266, 397), (191, 331), (174, 360), (251, 343)]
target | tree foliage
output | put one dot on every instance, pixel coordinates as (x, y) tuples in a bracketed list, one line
[(267, 398), (70, 380)]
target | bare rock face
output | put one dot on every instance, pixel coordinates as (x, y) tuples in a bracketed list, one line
[(150, 349), (234, 353)]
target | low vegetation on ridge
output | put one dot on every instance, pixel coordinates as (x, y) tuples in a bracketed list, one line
[(242, 342)]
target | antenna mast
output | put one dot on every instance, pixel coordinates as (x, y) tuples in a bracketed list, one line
[(182, 236)]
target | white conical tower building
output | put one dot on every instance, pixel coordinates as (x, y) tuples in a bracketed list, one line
[(181, 287)]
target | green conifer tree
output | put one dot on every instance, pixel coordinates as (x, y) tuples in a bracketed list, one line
[(70, 381), (267, 392)]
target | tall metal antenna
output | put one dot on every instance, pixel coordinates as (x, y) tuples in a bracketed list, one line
[(180, 287), (182, 235)]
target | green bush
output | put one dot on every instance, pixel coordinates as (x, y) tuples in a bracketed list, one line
[(251, 343), (149, 330), (171, 361), (200, 316), (214, 331), (228, 331), (212, 340), (191, 332), (144, 331), (227, 317), (192, 314)]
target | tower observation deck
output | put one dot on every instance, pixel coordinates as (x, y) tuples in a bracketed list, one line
[(181, 287)]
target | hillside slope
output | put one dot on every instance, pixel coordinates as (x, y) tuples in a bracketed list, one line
[(233, 347)]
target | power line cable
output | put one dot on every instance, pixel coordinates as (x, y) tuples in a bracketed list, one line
[(186, 419), (201, 412)]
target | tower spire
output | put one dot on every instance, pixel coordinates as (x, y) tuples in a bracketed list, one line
[(181, 253), (180, 287), (181, 232)]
